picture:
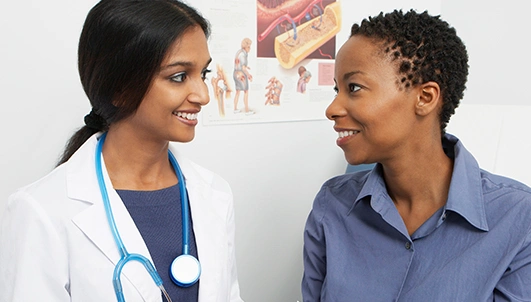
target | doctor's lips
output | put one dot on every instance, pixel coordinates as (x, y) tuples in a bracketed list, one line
[(186, 115), (188, 118)]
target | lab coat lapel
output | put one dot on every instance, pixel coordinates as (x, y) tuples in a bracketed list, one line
[(82, 185), (209, 228)]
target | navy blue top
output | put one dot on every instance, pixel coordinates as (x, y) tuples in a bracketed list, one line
[(157, 215), (475, 248)]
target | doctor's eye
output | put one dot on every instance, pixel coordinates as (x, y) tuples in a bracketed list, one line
[(204, 73), (178, 77)]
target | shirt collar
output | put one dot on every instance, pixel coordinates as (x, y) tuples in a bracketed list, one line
[(465, 196), (374, 185)]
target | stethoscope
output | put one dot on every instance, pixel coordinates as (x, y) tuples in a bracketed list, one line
[(184, 270)]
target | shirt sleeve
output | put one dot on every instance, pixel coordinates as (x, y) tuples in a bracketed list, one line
[(32, 257), (314, 252), (515, 284)]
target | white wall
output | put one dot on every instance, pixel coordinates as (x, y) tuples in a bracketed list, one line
[(274, 169), (495, 116), (42, 98)]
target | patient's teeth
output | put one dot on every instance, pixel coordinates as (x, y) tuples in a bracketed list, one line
[(346, 133)]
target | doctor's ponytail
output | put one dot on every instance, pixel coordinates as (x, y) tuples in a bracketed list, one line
[(93, 123)]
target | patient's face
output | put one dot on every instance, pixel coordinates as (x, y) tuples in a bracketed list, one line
[(373, 116)]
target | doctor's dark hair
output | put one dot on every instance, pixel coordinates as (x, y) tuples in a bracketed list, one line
[(121, 48), (426, 49)]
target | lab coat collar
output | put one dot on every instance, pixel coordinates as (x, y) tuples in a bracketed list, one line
[(208, 205), (82, 185), (206, 213)]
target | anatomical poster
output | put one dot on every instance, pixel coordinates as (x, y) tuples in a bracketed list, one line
[(273, 60)]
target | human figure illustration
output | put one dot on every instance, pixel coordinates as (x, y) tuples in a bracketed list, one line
[(242, 76), (274, 89), (221, 88), (304, 78)]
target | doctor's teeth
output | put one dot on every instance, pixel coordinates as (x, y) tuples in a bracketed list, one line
[(188, 116), (346, 133)]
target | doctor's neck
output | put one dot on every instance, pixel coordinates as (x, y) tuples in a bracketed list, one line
[(136, 163)]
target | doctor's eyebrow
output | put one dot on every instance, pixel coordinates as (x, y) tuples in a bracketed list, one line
[(183, 63)]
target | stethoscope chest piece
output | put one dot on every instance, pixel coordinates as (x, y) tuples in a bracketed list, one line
[(185, 270)]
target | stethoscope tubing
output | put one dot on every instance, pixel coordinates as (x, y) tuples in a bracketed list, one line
[(125, 256), (184, 203)]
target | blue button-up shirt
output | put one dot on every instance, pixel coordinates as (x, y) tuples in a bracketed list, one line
[(476, 248)]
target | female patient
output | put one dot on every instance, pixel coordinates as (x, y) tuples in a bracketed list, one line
[(426, 223), (113, 220)]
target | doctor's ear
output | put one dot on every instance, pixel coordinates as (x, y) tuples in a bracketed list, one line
[(429, 98), (118, 101)]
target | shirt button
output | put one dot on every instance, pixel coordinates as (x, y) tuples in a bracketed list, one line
[(408, 245)]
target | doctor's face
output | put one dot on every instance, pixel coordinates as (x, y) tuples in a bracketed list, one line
[(172, 104), (373, 115)]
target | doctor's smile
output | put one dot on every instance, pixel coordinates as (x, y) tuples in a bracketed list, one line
[(187, 117)]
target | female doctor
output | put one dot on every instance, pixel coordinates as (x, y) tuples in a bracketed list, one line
[(124, 216)]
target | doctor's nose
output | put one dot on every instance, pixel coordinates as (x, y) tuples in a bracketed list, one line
[(199, 93)]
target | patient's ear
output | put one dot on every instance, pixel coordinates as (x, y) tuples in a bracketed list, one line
[(429, 98)]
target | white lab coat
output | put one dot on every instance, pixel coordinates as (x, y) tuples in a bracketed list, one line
[(56, 244)]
